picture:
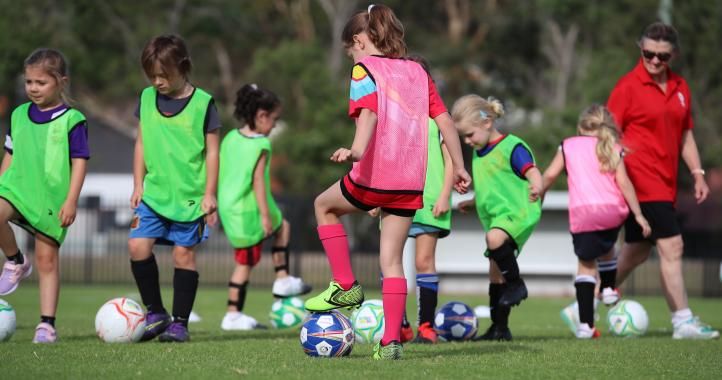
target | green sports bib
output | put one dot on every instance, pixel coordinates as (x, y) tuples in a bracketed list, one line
[(434, 184), (237, 205), (38, 179), (174, 152)]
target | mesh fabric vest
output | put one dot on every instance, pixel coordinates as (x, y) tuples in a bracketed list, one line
[(174, 153), (38, 179), (499, 192), (395, 159), (237, 205), (434, 183)]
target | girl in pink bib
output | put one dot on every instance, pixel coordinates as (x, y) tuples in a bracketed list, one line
[(391, 100), (600, 197)]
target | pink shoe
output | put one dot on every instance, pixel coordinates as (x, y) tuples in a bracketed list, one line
[(45, 333), (12, 274)]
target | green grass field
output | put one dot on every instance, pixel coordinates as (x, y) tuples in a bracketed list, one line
[(542, 346)]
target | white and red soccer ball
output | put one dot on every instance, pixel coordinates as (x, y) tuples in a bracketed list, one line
[(120, 320)]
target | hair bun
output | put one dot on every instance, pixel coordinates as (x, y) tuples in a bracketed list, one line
[(496, 106)]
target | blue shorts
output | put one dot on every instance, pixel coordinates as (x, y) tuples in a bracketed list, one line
[(149, 225), (420, 229)]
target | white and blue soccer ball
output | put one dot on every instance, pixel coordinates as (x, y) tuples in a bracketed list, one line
[(327, 335), (455, 321), (627, 319), (7, 321), (287, 313), (120, 320), (368, 322)]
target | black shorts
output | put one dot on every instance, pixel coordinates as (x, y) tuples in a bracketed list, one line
[(591, 245), (408, 213), (661, 216)]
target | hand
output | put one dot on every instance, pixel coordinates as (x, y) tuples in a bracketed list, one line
[(462, 180), (267, 225), (67, 213), (211, 219), (701, 190), (646, 229), (136, 197), (534, 192), (342, 155), (374, 212), (209, 207), (467, 205), (441, 207)]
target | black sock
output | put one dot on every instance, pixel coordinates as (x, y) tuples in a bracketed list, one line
[(48, 320), (185, 286), (285, 252), (146, 277), (585, 299), (405, 321), (241, 295), (499, 314), (427, 288), (607, 273), (17, 258), (506, 261)]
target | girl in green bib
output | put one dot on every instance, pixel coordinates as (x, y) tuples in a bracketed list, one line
[(43, 171), (248, 212), (175, 175), (507, 185)]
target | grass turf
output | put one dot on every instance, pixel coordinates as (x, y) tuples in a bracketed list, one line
[(542, 348)]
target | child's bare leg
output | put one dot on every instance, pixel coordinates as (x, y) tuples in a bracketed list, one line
[(48, 266)]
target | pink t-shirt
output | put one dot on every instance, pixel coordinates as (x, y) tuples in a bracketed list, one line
[(398, 91), (595, 201)]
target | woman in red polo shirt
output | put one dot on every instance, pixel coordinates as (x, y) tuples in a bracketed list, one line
[(652, 106)]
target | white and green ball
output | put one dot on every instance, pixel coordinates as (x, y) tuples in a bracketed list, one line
[(7, 321), (368, 322), (627, 319), (287, 313)]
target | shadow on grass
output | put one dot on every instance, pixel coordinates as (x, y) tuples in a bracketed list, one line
[(470, 348)]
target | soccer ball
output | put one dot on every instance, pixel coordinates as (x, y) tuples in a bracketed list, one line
[(120, 320), (327, 335), (455, 321), (7, 321), (368, 322), (287, 313), (627, 319)]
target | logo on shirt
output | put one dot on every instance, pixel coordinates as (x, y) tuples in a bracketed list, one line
[(191, 202), (681, 99)]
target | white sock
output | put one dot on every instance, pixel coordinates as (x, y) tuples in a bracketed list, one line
[(680, 316)]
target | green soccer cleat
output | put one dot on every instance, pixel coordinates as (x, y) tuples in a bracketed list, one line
[(335, 297), (391, 351)]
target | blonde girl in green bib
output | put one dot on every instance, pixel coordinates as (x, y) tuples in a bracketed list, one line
[(42, 173), (175, 177), (248, 212), (507, 185)]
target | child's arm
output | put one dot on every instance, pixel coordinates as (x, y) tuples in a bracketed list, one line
[(138, 171), (462, 180), (259, 190), (534, 176), (7, 159), (209, 203), (625, 185), (77, 177), (442, 204), (552, 172), (365, 125)]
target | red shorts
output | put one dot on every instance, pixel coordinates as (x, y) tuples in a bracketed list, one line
[(401, 204), (249, 256)]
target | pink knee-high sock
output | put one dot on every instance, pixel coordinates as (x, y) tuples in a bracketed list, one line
[(335, 243), (394, 298)]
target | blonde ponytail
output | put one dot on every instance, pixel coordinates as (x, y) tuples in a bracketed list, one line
[(474, 109), (597, 118)]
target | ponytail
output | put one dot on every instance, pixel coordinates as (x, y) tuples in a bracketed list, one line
[(251, 98), (597, 118), (384, 29)]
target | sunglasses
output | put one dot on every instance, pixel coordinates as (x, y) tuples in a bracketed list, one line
[(663, 57)]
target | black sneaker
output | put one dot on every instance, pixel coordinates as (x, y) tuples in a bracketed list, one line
[(495, 333), (513, 295)]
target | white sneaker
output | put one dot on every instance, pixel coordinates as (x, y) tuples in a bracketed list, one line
[(290, 286), (586, 332), (194, 317), (570, 316), (234, 320), (693, 328), (610, 296)]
